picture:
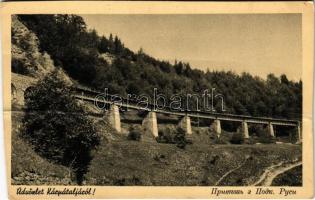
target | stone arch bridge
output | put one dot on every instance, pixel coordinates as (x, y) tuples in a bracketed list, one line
[(20, 83)]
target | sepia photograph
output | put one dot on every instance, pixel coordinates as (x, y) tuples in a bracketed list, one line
[(149, 99), (187, 98)]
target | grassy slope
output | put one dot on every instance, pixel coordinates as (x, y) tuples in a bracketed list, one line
[(30, 168), (150, 163), (118, 161)]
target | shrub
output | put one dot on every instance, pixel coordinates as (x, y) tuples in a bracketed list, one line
[(165, 136), (268, 139), (237, 138), (220, 140), (188, 140), (134, 134), (264, 136), (179, 138), (18, 67), (57, 126)]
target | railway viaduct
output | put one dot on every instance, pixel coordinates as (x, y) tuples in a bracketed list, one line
[(20, 83)]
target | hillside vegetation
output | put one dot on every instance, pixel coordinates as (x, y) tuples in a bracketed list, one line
[(292, 177), (44, 43), (26, 56), (30, 168), (118, 161), (104, 62), (150, 163)]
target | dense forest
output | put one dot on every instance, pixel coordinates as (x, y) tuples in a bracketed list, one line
[(104, 62)]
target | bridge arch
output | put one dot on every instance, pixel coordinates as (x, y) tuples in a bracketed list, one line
[(19, 84)]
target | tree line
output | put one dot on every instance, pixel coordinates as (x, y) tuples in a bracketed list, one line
[(79, 52)]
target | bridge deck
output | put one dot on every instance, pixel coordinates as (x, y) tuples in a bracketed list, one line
[(198, 114)]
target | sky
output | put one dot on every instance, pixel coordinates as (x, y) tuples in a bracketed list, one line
[(255, 43)]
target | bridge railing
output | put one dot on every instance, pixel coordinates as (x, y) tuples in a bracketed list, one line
[(91, 95)]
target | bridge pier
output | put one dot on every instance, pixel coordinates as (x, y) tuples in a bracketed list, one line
[(185, 123), (114, 117), (150, 124), (216, 127), (245, 130), (271, 130), (299, 134)]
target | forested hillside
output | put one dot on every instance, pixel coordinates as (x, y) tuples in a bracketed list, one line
[(104, 62)]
